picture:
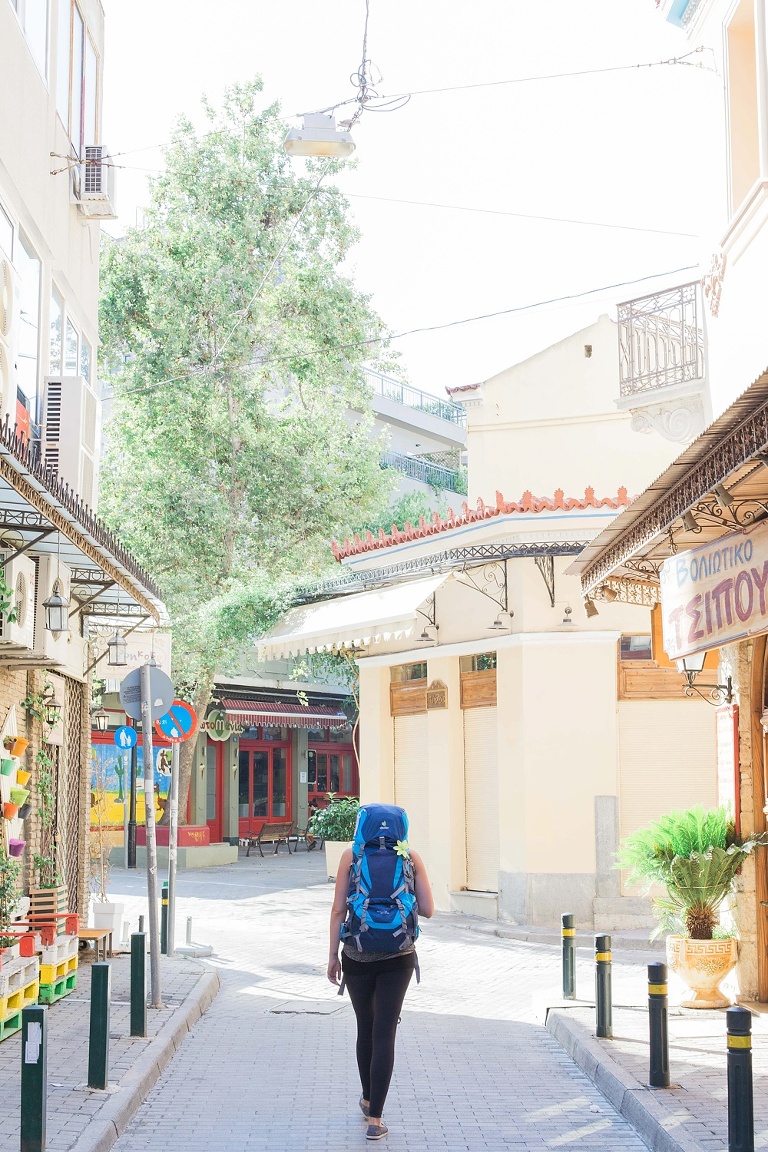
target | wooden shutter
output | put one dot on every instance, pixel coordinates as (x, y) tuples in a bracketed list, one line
[(481, 785), (667, 760), (411, 789)]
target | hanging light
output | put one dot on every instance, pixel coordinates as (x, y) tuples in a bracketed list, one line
[(498, 624), (567, 613), (101, 720), (609, 594), (690, 522), (56, 610), (591, 609), (53, 709), (318, 136), (117, 650)]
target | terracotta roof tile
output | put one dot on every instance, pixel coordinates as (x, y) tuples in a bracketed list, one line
[(527, 503)]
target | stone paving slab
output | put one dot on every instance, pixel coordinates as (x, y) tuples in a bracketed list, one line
[(77, 1116)]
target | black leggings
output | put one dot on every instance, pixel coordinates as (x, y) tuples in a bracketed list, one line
[(377, 990)]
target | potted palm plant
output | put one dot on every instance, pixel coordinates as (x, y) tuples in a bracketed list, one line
[(694, 856), (335, 824)]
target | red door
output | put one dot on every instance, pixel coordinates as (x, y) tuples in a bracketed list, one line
[(332, 768), (264, 784), (214, 790)]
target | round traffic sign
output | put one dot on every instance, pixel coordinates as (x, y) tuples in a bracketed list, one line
[(125, 737), (161, 693), (179, 722)]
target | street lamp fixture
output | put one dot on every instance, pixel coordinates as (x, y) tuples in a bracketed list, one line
[(101, 720), (117, 650), (691, 666), (319, 136), (53, 708), (56, 614)]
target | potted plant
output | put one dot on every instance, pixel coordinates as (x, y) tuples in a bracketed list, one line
[(695, 856), (10, 871), (336, 826)]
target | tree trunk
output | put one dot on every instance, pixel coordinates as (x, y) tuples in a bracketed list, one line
[(200, 702)]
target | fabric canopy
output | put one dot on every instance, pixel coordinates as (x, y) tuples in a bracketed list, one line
[(250, 714), (352, 621)]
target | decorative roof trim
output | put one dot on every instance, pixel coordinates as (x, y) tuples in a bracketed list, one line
[(463, 388), (526, 504), (250, 712)]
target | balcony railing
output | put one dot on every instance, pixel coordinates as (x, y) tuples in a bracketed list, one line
[(660, 341), (425, 473), (414, 398)]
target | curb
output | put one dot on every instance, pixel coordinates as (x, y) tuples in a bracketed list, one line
[(636, 1102), (118, 1111)]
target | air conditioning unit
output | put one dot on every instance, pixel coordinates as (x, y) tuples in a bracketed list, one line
[(53, 645), (70, 433), (93, 184), (21, 576), (9, 326)]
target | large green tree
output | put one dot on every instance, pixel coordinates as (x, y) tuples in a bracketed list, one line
[(231, 456)]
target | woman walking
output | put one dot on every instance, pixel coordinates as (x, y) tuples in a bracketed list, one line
[(381, 891)]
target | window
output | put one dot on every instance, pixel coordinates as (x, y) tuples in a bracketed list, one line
[(482, 662), (635, 648), (409, 672), (6, 233), (28, 263), (57, 317), (85, 359), (33, 17), (77, 78), (71, 347)]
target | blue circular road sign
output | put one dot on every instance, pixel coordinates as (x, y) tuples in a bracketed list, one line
[(125, 737)]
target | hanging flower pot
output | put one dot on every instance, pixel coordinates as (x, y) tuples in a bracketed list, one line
[(7, 767), (19, 795), (22, 776), (25, 810), (10, 810), (19, 746), (16, 847)]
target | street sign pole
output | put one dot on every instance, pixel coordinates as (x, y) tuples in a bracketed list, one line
[(132, 809), (149, 818), (173, 835)]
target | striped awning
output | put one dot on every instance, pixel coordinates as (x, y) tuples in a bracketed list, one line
[(250, 713)]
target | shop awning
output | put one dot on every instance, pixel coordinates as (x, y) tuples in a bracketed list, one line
[(354, 621), (249, 713), (717, 486)]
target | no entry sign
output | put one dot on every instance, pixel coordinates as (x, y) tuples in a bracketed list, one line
[(179, 722)]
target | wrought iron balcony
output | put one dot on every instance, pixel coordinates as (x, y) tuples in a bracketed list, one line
[(425, 473), (661, 342), (393, 389)]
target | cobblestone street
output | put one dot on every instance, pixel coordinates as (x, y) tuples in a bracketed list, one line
[(272, 1065)]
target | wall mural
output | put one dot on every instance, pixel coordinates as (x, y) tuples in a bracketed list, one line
[(111, 778)]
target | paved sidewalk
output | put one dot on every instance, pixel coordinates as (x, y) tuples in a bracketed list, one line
[(693, 1115), (77, 1116), (271, 1065)]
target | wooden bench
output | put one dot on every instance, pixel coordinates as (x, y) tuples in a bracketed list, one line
[(279, 832)]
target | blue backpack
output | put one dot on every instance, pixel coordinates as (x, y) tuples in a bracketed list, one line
[(382, 912)]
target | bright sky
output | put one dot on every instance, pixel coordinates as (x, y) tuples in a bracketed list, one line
[(629, 148)]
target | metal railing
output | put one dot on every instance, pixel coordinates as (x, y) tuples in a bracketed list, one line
[(661, 343), (401, 393), (425, 473)]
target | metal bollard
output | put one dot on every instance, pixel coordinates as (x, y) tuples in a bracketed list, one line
[(189, 930), (603, 994), (164, 919), (658, 1076), (141, 923), (569, 956), (138, 984), (34, 1077), (98, 1040), (741, 1122)]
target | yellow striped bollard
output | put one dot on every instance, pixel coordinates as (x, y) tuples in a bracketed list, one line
[(658, 1076), (569, 956), (741, 1121), (603, 1006)]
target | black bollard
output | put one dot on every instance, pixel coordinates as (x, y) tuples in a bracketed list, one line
[(569, 956), (138, 984), (34, 1077), (741, 1122), (164, 919), (658, 1076), (98, 1039), (603, 994)]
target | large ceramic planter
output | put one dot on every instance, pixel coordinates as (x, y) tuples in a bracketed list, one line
[(333, 851), (108, 915), (702, 965)]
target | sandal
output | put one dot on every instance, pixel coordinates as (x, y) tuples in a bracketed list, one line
[(364, 1108), (376, 1131)]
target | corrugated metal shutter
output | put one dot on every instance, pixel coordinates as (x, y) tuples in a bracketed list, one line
[(411, 789), (667, 760), (481, 785)]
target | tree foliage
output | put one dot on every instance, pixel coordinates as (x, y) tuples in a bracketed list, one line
[(231, 457)]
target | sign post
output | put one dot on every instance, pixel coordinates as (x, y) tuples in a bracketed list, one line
[(147, 693), (178, 724)]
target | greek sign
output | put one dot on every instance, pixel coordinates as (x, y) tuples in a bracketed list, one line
[(437, 695), (716, 593)]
